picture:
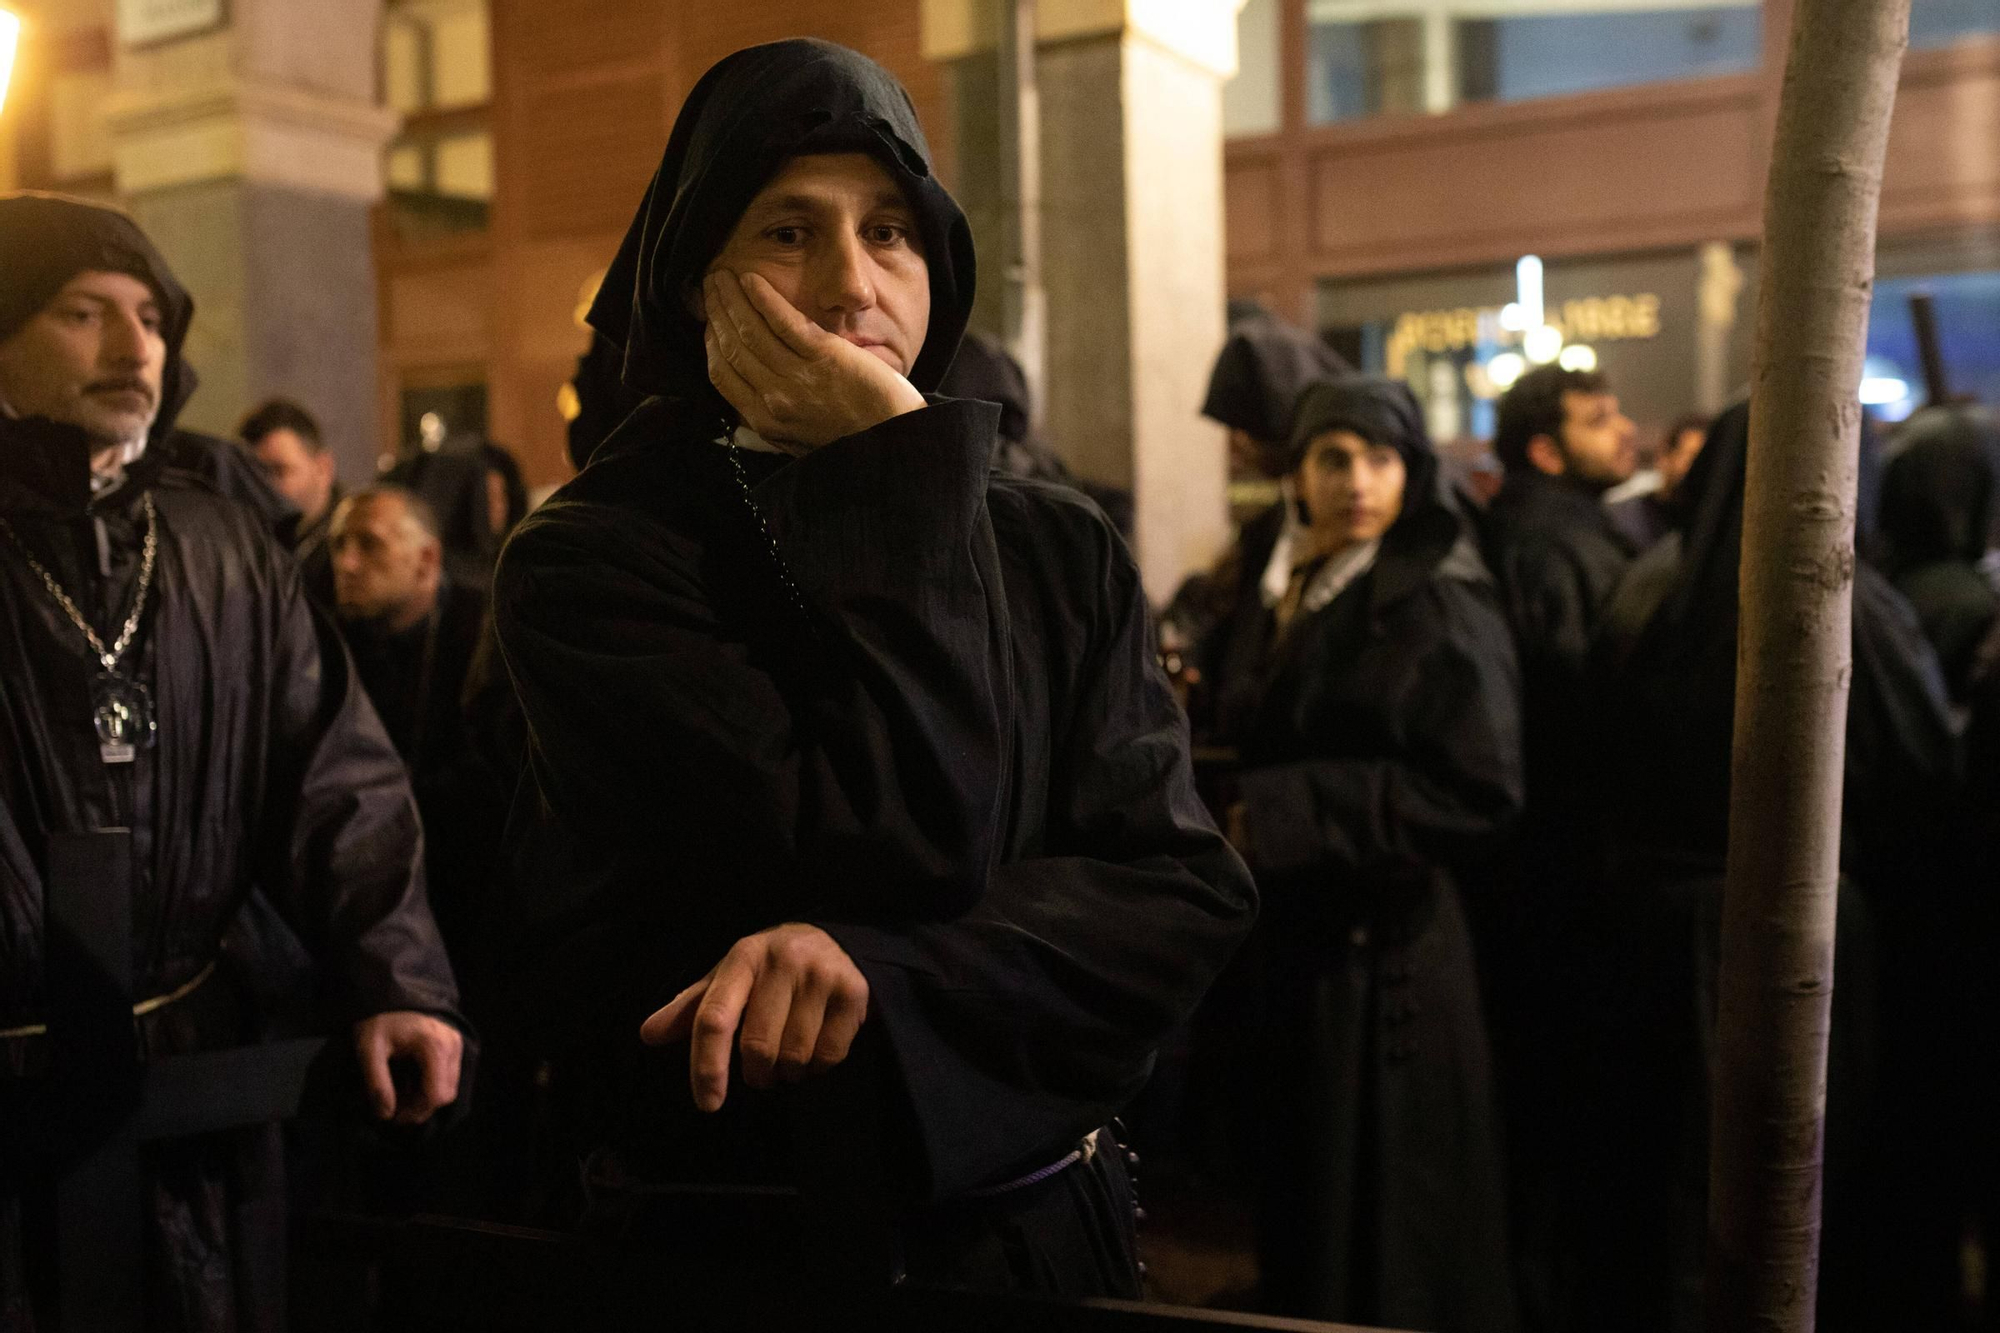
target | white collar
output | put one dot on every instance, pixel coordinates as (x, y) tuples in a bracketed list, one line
[(746, 439)]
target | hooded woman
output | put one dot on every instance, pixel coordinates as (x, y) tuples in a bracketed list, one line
[(1376, 708), (1940, 498), (1665, 716), (857, 752)]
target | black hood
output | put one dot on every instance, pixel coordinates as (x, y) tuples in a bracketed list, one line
[(1263, 368), (749, 115), (986, 371), (1384, 411), (1939, 488), (47, 239)]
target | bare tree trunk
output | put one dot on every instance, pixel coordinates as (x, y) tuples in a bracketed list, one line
[(1793, 663)]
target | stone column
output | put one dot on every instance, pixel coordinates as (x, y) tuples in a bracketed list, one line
[(1132, 254), (251, 153)]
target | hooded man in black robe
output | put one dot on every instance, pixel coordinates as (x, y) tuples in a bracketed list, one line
[(1664, 715), (1940, 501), (857, 753), (219, 722), (1263, 368), (1376, 708)]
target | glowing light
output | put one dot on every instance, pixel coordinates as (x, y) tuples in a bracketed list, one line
[(1578, 356), (1528, 283), (1543, 343), (10, 42), (1882, 390), (1505, 368), (1513, 318)]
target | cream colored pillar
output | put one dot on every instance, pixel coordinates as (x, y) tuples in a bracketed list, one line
[(249, 145), (1132, 254)]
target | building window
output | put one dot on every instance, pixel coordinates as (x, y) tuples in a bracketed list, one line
[(1367, 57), (1516, 57), (1935, 23), (437, 74)]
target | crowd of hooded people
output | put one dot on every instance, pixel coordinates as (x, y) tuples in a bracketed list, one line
[(1477, 754), (797, 799)]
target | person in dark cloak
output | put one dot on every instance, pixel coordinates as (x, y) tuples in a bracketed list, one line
[(602, 400), (221, 723), (858, 755), (286, 444), (1376, 708), (1263, 368), (1663, 715), (474, 487), (1940, 500), (1557, 556), (1646, 517), (986, 371)]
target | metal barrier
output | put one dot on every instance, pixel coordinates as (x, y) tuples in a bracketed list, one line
[(443, 1275)]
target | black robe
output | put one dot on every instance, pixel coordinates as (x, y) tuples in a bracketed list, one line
[(270, 772), (892, 694), (416, 680), (1665, 714), (1557, 554), (271, 786), (1380, 748), (957, 755)]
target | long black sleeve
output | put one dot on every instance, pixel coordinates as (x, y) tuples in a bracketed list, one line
[(342, 852), (1033, 1018)]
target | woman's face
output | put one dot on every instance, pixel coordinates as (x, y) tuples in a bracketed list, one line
[(1352, 488)]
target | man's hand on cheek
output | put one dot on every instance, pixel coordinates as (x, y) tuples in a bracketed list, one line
[(789, 379)]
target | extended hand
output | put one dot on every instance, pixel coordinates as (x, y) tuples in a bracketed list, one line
[(434, 1044), (789, 379), (799, 999)]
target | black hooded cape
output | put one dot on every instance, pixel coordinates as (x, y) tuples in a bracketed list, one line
[(1940, 500), (1664, 718), (270, 773), (930, 720), (1381, 754), (1263, 368)]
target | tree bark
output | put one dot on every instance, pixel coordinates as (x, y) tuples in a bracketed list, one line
[(1793, 663)]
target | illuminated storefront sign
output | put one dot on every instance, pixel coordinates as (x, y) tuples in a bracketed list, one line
[(1589, 319)]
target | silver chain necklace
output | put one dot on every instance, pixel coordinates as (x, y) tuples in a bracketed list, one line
[(784, 570), (123, 709)]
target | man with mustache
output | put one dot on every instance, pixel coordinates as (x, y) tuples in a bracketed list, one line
[(161, 672)]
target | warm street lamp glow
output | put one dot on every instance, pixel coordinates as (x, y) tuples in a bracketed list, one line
[(1505, 368), (1578, 356), (10, 41), (1543, 343)]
